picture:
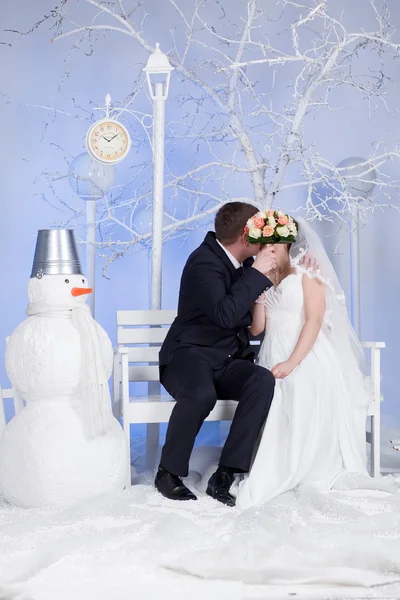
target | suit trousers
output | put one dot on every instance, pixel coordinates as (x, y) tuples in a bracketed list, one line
[(196, 386)]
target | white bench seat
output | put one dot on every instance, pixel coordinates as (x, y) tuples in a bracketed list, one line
[(158, 409)]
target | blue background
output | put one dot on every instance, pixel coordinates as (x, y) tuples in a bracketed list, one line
[(37, 140)]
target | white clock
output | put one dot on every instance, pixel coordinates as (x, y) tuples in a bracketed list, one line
[(108, 141)]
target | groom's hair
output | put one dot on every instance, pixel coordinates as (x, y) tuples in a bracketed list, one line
[(231, 220)]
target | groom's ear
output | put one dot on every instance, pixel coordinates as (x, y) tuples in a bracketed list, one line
[(243, 237)]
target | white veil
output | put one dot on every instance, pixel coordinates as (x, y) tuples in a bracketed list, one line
[(346, 343)]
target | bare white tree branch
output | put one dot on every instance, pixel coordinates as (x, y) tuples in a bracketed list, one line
[(231, 123)]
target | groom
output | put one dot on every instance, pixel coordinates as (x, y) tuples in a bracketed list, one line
[(206, 355)]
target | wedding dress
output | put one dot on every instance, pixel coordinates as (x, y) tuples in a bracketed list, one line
[(314, 432)]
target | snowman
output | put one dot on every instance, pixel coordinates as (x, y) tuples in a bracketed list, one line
[(65, 445)]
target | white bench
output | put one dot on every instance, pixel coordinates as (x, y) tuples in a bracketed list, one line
[(18, 404), (140, 334)]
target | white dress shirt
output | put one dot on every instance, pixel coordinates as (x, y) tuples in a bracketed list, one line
[(233, 260)]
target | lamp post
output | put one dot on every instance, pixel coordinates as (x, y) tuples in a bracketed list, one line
[(355, 306), (90, 181), (158, 73), (360, 177)]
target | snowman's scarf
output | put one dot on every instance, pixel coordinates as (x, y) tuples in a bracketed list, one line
[(95, 409)]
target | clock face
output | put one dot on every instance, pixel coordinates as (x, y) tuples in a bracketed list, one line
[(108, 141)]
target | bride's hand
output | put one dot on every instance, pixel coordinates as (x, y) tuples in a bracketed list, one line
[(282, 370), (309, 262)]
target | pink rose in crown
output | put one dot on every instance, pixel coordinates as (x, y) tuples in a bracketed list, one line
[(283, 220), (259, 222), (270, 213), (268, 231)]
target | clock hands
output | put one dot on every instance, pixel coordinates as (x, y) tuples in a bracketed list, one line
[(111, 139)]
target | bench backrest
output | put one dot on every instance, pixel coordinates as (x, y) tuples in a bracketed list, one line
[(143, 332)]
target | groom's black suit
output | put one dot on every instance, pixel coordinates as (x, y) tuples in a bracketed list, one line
[(205, 356)]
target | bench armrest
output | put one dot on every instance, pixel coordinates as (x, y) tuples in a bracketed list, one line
[(120, 387), (120, 350), (373, 345)]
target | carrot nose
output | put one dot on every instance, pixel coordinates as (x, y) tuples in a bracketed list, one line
[(81, 291)]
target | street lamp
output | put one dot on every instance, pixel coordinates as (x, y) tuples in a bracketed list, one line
[(359, 177), (90, 181), (158, 73)]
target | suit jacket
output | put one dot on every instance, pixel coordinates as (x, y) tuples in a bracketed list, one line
[(214, 308)]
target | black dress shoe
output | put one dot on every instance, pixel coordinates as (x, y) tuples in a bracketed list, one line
[(171, 486), (219, 486)]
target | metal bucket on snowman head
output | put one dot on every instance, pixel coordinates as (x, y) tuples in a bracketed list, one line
[(56, 253)]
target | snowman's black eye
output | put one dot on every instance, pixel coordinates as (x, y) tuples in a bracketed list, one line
[(83, 281), (67, 281)]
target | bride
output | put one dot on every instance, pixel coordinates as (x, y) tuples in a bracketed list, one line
[(315, 431)]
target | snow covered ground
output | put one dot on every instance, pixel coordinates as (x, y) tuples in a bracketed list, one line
[(136, 545), (116, 546)]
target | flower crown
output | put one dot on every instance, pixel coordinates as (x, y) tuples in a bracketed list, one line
[(271, 227)]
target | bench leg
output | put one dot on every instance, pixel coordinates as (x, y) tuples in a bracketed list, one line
[(126, 426), (152, 444), (117, 391), (152, 432), (376, 417), (125, 411), (375, 445)]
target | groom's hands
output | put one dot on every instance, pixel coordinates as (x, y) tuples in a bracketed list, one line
[(265, 260)]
